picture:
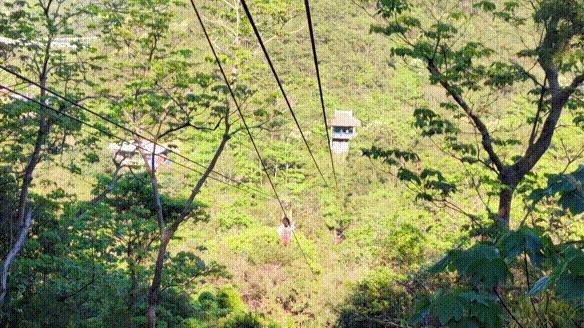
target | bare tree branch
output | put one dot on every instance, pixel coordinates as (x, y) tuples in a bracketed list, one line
[(187, 125)]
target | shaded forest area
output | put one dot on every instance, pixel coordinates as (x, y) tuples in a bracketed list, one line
[(177, 163)]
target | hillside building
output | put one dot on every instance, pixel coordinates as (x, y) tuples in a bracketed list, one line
[(344, 128), (129, 154)]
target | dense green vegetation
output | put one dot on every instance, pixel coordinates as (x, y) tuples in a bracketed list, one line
[(459, 204)]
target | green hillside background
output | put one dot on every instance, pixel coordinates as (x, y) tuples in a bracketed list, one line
[(363, 244)]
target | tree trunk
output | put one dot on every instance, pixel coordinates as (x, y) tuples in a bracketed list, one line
[(30, 167), (13, 254), (133, 279), (504, 212), (42, 134), (23, 218), (510, 178), (167, 234), (154, 292)]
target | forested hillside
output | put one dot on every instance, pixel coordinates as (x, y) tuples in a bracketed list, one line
[(153, 172)]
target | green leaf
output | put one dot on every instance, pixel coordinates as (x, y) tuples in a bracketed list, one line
[(485, 5), (570, 287), (540, 285), (389, 8), (476, 297), (440, 265), (407, 175), (490, 273), (514, 243), (568, 186), (573, 201), (483, 264), (576, 265), (462, 308), (447, 308)]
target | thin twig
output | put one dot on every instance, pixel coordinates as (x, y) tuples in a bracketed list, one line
[(507, 308)]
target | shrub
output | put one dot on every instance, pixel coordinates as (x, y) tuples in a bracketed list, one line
[(261, 245), (233, 218), (380, 297), (246, 320)]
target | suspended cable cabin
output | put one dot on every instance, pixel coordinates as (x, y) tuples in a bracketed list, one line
[(344, 128)]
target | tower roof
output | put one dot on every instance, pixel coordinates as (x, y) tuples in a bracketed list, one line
[(345, 118)]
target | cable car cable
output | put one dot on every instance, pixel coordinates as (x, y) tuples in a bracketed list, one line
[(238, 107), (247, 189), (265, 51), (246, 126), (314, 55), (76, 104)]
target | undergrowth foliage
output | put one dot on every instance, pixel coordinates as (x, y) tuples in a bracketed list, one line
[(487, 272)]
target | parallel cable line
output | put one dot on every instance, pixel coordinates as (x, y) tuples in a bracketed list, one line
[(265, 51), (246, 126), (314, 55), (112, 135), (238, 107), (76, 104)]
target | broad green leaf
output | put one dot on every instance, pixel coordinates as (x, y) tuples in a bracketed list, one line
[(447, 308), (540, 285), (440, 265), (570, 287)]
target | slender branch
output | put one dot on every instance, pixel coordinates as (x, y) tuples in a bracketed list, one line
[(189, 125), (478, 123), (257, 126), (234, 7), (578, 80), (173, 99), (507, 308), (356, 3), (63, 298), (221, 24), (102, 195), (559, 98), (531, 76), (197, 189), (538, 113), (151, 169), (526, 268)]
